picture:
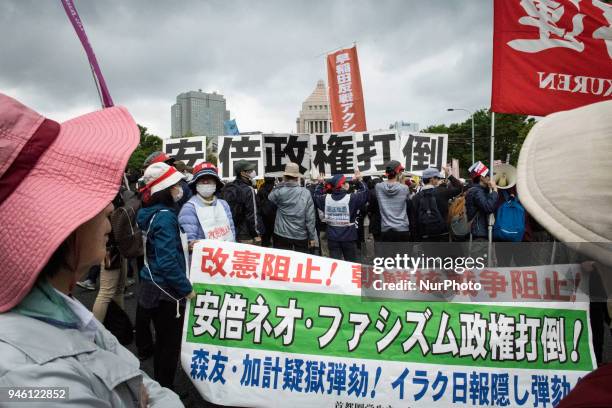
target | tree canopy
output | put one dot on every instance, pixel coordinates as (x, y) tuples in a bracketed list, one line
[(148, 144), (510, 132)]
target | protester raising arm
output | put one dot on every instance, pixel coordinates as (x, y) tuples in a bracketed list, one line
[(319, 194), (486, 202), (455, 188)]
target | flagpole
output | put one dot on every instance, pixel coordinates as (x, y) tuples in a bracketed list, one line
[(93, 73), (492, 154), (77, 24), (492, 175)]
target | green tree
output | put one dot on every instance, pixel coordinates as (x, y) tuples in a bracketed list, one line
[(148, 144), (510, 132), (211, 158)]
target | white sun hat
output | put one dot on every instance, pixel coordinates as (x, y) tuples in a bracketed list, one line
[(564, 177)]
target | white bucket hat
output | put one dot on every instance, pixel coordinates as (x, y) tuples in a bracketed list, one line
[(564, 177), (160, 176)]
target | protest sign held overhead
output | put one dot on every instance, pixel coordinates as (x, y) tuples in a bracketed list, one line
[(280, 149), (333, 153), (551, 56), (269, 324), (374, 149), (423, 150), (345, 92), (190, 150), (234, 148)]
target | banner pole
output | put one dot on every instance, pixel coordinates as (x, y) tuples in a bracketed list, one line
[(473, 159), (492, 153), (492, 175), (77, 24), (93, 74)]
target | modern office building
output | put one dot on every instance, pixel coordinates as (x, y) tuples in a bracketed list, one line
[(315, 115), (405, 126), (199, 114)]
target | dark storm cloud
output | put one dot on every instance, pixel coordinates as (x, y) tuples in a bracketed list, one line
[(416, 57)]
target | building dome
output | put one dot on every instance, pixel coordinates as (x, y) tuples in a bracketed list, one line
[(314, 116)]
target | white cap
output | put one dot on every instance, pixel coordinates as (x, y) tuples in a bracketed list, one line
[(167, 176)]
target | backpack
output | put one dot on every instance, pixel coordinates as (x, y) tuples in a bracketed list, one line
[(429, 219), (127, 235), (509, 220), (458, 222)]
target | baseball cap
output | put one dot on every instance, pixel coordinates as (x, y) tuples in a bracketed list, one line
[(431, 173)]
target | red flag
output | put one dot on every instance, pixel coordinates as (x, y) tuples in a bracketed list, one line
[(551, 55), (345, 93)]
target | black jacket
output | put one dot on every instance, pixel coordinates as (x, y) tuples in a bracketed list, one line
[(241, 197), (374, 215), (442, 196), (266, 207), (479, 203)]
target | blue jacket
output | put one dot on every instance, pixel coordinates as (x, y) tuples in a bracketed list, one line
[(479, 203), (358, 199), (189, 222), (164, 250)]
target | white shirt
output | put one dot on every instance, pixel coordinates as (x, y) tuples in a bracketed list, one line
[(87, 323)]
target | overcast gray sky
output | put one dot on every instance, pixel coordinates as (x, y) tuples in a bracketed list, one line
[(416, 57)]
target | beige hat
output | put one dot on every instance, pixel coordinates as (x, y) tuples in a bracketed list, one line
[(292, 170), (564, 177)]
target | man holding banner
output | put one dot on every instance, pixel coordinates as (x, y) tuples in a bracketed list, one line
[(340, 211)]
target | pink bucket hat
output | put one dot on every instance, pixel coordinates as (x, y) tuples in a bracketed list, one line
[(53, 178)]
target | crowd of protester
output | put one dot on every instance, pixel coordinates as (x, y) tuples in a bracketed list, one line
[(153, 229), (322, 216)]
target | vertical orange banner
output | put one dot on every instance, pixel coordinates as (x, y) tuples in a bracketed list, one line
[(345, 93)]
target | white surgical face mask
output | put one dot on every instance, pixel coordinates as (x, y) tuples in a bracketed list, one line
[(177, 193), (206, 190), (252, 174)]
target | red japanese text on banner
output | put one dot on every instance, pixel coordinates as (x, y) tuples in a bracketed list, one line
[(550, 56), (345, 92)]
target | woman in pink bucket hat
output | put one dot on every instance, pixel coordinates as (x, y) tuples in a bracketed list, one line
[(56, 186)]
